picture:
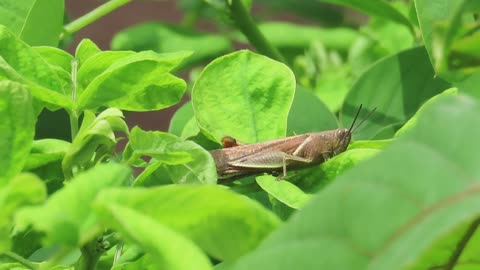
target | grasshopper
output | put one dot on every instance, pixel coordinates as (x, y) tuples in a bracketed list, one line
[(277, 156)]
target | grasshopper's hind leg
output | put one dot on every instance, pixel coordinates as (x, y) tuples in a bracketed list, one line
[(291, 157)]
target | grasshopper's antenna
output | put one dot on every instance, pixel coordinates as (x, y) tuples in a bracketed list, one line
[(363, 120), (355, 119)]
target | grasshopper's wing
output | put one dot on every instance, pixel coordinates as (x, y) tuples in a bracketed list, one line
[(271, 160)]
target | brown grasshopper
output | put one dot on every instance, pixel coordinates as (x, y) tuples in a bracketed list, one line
[(276, 156)]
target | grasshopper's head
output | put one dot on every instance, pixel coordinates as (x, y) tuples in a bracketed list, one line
[(342, 139), (343, 135)]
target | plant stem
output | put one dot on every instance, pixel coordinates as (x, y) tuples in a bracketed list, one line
[(93, 15), (74, 114), (246, 25), (20, 259)]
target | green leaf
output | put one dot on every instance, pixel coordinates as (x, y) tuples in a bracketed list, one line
[(406, 80), (97, 63), (314, 179), (139, 82), (309, 114), (256, 105), (17, 128), (164, 38), (376, 8), (59, 61), (449, 31), (161, 242), (46, 151), (428, 178), (24, 189), (67, 216), (95, 140), (222, 223), (283, 191), (180, 119), (175, 160), (374, 144), (86, 49), (20, 63), (37, 22), (412, 122)]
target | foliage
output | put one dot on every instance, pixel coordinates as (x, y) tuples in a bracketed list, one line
[(403, 195)]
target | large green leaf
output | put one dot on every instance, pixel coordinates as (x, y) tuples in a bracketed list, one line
[(67, 216), (24, 189), (164, 245), (244, 95), (19, 62), (138, 82), (164, 38), (450, 36), (396, 86), (222, 223), (37, 22), (174, 160), (17, 128), (414, 206)]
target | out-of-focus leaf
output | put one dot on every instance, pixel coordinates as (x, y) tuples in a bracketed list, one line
[(17, 126), (67, 217), (428, 178), (164, 244), (164, 38), (24, 189), (225, 227)]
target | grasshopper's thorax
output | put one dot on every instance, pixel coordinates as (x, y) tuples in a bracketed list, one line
[(342, 139)]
